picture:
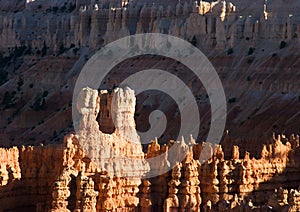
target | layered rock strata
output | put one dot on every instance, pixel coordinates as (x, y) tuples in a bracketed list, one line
[(210, 25), (63, 177)]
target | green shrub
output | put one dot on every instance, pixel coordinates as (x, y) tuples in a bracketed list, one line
[(72, 7), (44, 49), (63, 8), (20, 82), (39, 103), (282, 44), (194, 41), (230, 51), (75, 50), (61, 49), (19, 51), (232, 100), (249, 61), (3, 76), (45, 93), (7, 101), (55, 9), (250, 51)]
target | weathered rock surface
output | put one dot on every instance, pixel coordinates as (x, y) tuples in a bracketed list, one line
[(119, 153), (255, 50), (66, 177), (222, 24), (241, 39), (75, 180), (62, 178)]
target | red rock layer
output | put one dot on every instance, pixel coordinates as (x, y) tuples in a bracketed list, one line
[(61, 178)]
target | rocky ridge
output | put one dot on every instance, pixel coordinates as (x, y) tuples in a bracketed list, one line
[(254, 48)]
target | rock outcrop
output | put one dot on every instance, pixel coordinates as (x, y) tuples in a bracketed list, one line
[(66, 177), (73, 180), (243, 40), (119, 153), (221, 24), (255, 49), (69, 181)]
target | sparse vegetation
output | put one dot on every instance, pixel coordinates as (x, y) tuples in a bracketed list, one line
[(250, 51), (250, 60), (39, 103), (45, 94), (55, 9), (230, 51), (232, 100), (274, 54), (194, 41), (72, 7), (63, 9), (41, 122), (75, 50), (19, 51), (6, 99), (282, 44), (28, 51), (44, 49), (295, 35), (61, 49), (32, 139), (3, 76), (20, 84), (54, 135)]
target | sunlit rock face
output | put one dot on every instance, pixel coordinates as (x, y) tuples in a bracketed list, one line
[(94, 171), (62, 177), (221, 24), (90, 171), (119, 153), (255, 50)]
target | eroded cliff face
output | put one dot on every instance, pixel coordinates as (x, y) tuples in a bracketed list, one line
[(216, 25), (66, 177), (53, 178), (44, 45), (254, 48), (88, 171)]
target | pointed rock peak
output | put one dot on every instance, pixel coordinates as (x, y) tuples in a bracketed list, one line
[(192, 140)]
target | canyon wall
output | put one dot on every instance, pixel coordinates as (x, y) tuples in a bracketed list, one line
[(62, 178), (255, 51), (253, 47), (217, 25), (67, 176)]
